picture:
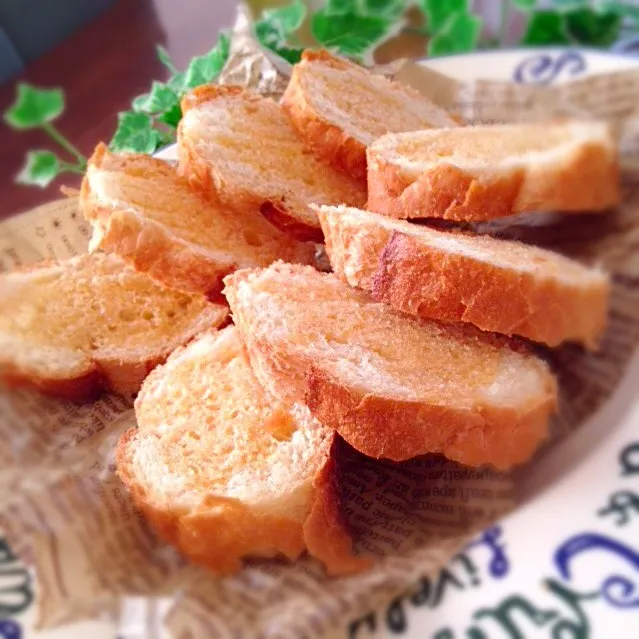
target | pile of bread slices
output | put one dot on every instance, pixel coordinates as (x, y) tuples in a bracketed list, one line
[(419, 341)]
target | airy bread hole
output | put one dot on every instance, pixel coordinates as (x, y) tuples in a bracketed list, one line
[(126, 315), (281, 425)]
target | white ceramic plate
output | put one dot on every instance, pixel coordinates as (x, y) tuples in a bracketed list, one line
[(566, 564)]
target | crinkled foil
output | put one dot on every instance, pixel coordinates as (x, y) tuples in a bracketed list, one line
[(249, 65)]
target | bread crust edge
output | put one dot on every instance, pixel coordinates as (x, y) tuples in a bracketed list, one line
[(388, 428), (332, 144), (587, 181)]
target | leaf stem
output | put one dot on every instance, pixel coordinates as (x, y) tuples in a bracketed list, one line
[(57, 137), (66, 167), (503, 22), (171, 67)]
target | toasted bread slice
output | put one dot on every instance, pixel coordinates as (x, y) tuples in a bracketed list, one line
[(224, 472), (243, 147), (143, 211), (78, 327), (497, 285), (486, 172), (340, 108), (391, 385)]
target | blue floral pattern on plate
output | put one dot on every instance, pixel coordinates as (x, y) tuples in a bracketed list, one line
[(544, 68)]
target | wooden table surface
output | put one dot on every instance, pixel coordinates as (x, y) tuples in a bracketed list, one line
[(101, 68)]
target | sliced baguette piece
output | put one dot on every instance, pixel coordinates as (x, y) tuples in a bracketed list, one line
[(486, 172), (78, 327), (143, 211), (498, 285), (391, 385), (224, 472), (339, 108), (243, 148)]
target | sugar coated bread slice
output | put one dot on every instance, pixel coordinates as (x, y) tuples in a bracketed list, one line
[(143, 211), (498, 285), (77, 327), (485, 172), (224, 472), (391, 385), (242, 147), (340, 108)]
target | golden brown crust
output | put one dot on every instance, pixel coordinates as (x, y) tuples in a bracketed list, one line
[(126, 377), (399, 430), (432, 281), (417, 279), (325, 529), (223, 531), (220, 532), (143, 244), (326, 140), (387, 427), (85, 387), (207, 92), (279, 216), (150, 249), (83, 373), (149, 246), (193, 168), (115, 374), (588, 181)]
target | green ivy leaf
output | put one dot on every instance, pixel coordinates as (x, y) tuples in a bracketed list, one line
[(545, 27), (286, 20), (271, 38), (384, 8), (135, 134), (40, 169), (570, 4), (587, 26), (524, 5), (160, 99), (438, 12), (176, 82), (350, 34), (171, 117), (165, 58), (341, 7), (623, 9), (277, 26), (459, 35), (34, 107), (205, 68)]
